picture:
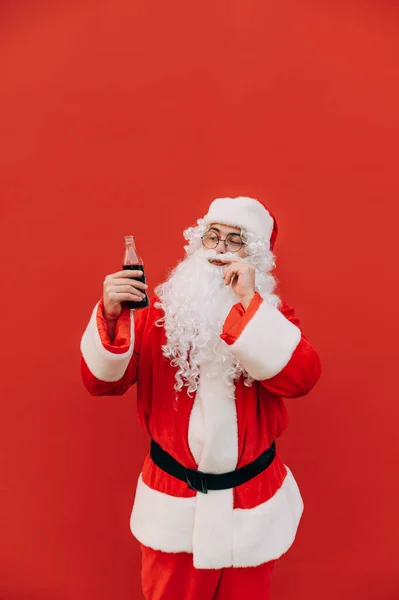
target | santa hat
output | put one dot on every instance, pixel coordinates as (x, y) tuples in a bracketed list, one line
[(246, 213)]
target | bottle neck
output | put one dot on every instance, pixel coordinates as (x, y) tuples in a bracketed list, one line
[(131, 255)]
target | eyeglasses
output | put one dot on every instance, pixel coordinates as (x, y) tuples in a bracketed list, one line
[(232, 241)]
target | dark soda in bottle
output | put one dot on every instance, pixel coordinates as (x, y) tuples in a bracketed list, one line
[(133, 262)]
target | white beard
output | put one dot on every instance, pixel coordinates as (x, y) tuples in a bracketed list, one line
[(196, 301)]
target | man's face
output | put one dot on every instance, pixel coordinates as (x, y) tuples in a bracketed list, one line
[(223, 238)]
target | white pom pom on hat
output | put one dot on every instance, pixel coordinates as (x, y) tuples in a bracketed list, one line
[(246, 213)]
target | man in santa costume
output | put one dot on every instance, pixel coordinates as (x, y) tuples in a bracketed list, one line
[(213, 357)]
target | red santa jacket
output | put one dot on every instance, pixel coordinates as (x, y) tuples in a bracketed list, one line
[(224, 427)]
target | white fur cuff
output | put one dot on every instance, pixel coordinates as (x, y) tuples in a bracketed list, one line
[(267, 343), (103, 364)]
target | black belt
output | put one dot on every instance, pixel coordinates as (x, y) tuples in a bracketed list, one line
[(202, 482)]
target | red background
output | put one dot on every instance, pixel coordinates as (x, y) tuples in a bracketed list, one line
[(119, 117)]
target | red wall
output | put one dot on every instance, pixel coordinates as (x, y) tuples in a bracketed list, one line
[(121, 116)]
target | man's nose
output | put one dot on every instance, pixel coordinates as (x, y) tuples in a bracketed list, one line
[(221, 247)]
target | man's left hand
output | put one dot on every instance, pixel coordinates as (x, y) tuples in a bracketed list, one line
[(241, 275)]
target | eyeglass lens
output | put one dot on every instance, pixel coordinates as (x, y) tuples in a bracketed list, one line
[(233, 241)]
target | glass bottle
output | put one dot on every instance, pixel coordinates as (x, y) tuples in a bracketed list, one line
[(133, 262)]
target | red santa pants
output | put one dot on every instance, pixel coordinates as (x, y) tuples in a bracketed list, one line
[(167, 576)]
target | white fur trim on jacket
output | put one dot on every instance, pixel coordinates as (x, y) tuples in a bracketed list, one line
[(213, 441), (213, 429), (242, 212), (102, 363), (257, 535), (267, 343)]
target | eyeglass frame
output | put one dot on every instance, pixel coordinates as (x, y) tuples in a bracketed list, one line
[(243, 243)]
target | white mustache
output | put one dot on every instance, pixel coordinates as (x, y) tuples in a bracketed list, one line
[(213, 255)]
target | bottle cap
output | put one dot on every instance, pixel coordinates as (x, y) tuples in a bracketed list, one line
[(129, 239)]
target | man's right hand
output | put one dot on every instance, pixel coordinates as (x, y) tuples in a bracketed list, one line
[(120, 287)]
